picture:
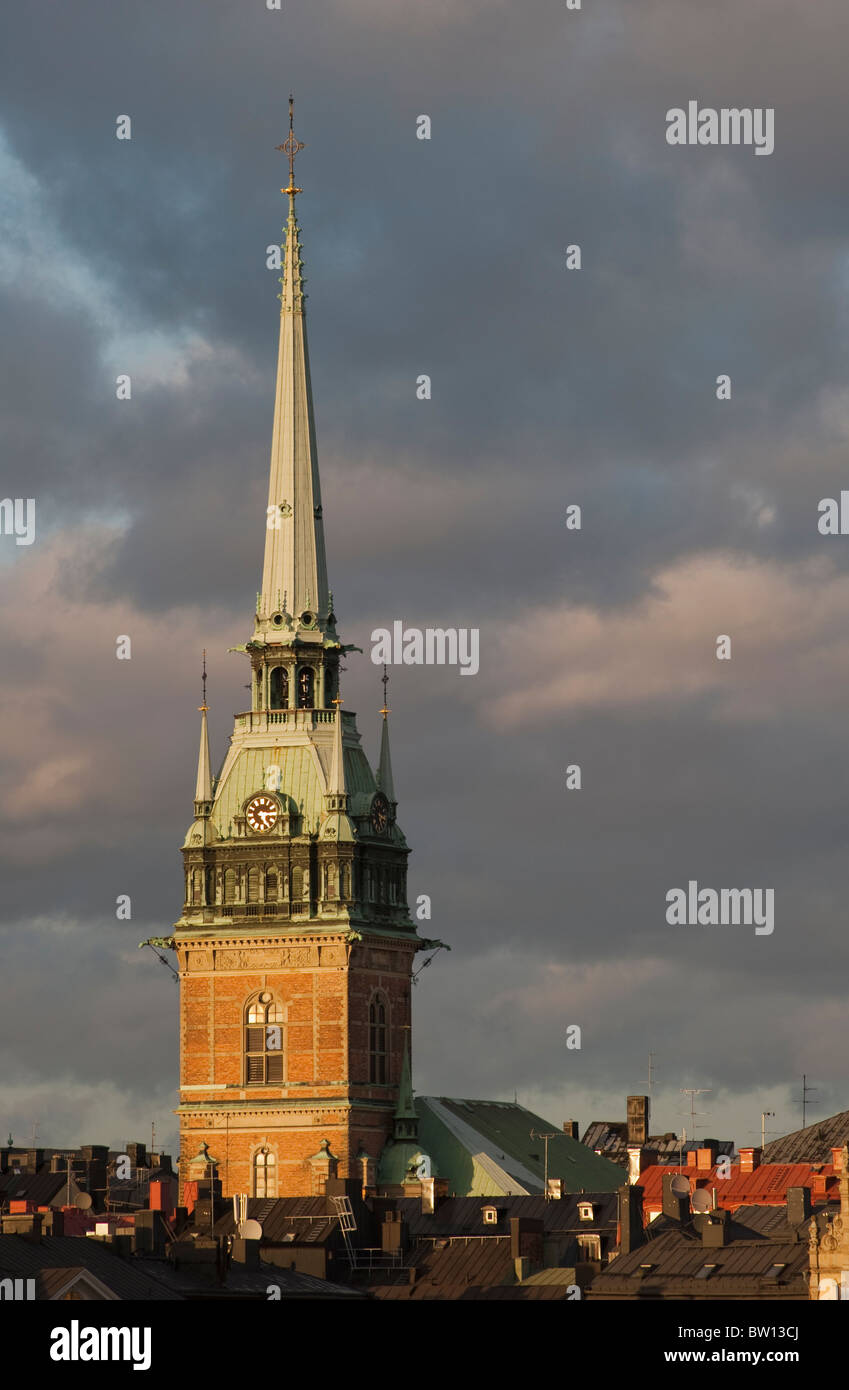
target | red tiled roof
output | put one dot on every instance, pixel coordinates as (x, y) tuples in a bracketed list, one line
[(766, 1185)]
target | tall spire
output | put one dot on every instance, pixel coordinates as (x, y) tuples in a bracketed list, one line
[(203, 789), (294, 575), (384, 767)]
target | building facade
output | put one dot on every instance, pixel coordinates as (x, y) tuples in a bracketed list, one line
[(295, 944)]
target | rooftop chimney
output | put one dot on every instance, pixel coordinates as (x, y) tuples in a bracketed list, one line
[(715, 1228), (675, 1207), (798, 1205), (837, 1158), (570, 1127), (245, 1253), (631, 1232), (638, 1119), (750, 1159)]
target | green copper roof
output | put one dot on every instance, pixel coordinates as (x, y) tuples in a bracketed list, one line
[(302, 781), (484, 1148)]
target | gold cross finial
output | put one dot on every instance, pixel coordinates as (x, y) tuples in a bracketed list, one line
[(385, 679), (291, 145)]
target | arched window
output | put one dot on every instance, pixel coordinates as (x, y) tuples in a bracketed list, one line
[(345, 879), (377, 1041), (265, 1174), (197, 885), (264, 1042), (229, 885), (279, 688), (306, 681), (297, 883), (331, 881), (271, 886), (253, 885)]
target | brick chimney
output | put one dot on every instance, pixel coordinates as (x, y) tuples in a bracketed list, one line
[(570, 1127), (750, 1159), (837, 1158), (638, 1119)]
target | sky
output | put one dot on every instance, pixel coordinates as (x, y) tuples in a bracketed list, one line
[(551, 388)]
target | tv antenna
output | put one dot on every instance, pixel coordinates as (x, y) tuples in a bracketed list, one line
[(545, 1135), (765, 1115), (692, 1092), (805, 1090)]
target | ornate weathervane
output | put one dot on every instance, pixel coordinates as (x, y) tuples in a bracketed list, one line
[(204, 706), (291, 145), (385, 681)]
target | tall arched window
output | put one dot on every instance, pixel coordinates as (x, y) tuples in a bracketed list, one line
[(345, 879), (306, 681), (297, 883), (271, 886), (229, 885), (279, 688), (265, 1174), (264, 1042), (377, 1041), (331, 881), (197, 885), (253, 885)]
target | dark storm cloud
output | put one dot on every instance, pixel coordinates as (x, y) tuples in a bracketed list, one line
[(447, 257)]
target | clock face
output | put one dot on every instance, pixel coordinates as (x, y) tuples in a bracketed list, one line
[(261, 813), (380, 815)]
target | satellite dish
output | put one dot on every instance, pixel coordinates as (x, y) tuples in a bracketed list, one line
[(82, 1201), (701, 1200), (250, 1230), (680, 1186)]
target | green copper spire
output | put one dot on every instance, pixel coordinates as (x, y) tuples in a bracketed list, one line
[(384, 767), (203, 787), (406, 1119), (295, 563)]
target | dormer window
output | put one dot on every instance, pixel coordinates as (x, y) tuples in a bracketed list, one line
[(490, 1216), (585, 1211)]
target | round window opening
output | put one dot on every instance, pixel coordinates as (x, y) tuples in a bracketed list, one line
[(277, 620), (307, 619)]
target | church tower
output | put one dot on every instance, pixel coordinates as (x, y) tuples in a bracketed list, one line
[(295, 945)]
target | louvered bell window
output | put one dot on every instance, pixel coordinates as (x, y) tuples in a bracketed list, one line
[(264, 1043)]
